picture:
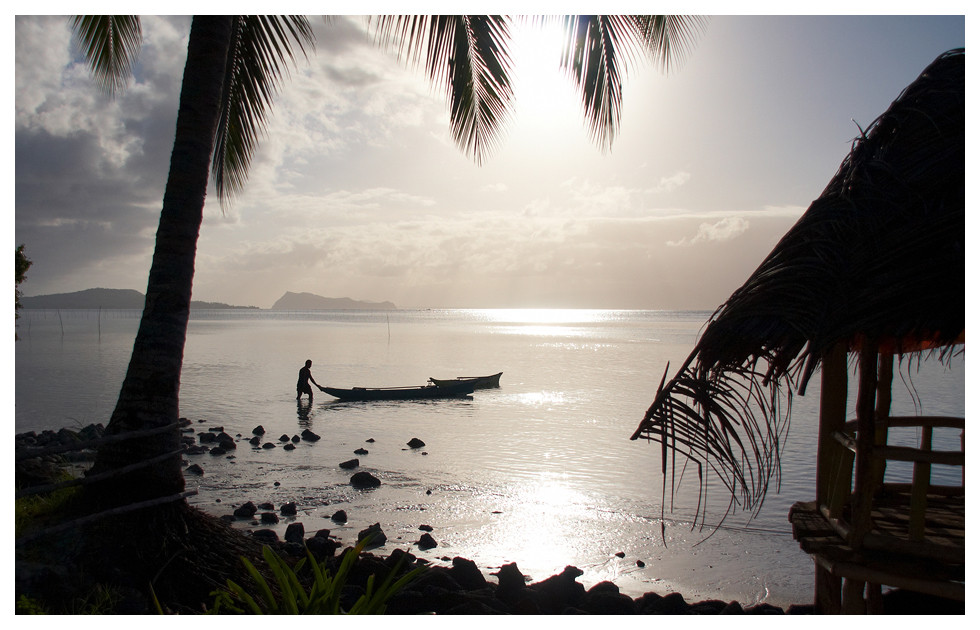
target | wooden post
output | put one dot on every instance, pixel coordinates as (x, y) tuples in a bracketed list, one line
[(833, 410), (921, 478), (876, 605), (827, 592), (882, 410), (853, 598), (864, 482)]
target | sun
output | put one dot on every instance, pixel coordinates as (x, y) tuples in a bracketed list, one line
[(542, 90)]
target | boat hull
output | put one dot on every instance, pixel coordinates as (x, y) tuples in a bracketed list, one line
[(478, 382), (426, 392)]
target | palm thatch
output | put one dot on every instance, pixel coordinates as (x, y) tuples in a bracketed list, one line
[(879, 255)]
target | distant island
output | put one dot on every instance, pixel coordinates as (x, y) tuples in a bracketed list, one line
[(312, 302), (104, 298), (130, 299)]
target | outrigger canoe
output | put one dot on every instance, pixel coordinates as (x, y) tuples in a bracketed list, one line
[(454, 390), (479, 382)]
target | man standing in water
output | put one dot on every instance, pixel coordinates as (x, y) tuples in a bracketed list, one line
[(303, 384)]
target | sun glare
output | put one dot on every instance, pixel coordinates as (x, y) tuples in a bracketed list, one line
[(541, 315), (541, 89)]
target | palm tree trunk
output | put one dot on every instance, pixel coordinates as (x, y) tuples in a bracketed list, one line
[(149, 395)]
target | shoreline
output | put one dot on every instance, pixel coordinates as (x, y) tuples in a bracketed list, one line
[(464, 584), (277, 526)]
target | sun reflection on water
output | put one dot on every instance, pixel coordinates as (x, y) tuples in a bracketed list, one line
[(535, 525), (544, 524), (541, 315)]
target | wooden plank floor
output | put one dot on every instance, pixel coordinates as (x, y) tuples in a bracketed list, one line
[(923, 573)]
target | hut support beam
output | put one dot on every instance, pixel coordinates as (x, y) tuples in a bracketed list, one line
[(833, 411), (864, 473), (832, 485)]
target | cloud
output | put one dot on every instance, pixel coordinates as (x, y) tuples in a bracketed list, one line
[(724, 230), (672, 182)]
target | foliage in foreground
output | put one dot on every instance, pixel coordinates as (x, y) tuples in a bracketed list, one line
[(34, 511), (324, 596)]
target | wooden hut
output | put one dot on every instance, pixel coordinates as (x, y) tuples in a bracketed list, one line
[(874, 271)]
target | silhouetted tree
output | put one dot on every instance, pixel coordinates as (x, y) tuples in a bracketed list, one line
[(21, 265)]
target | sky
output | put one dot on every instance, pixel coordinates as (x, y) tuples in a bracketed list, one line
[(358, 190)]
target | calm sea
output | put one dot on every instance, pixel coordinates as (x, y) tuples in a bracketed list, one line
[(540, 472)]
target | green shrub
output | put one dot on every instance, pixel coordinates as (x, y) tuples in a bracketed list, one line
[(323, 597), (29, 606)]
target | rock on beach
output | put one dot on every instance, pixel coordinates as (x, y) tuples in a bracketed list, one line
[(364, 480)]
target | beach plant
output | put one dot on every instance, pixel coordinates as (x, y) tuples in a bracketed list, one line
[(29, 606), (34, 510), (323, 596)]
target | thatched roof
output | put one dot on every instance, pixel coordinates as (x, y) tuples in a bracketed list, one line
[(880, 254)]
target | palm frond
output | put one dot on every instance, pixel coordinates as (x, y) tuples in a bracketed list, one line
[(598, 50), (257, 62), (728, 423), (592, 56), (467, 57), (110, 45), (669, 39)]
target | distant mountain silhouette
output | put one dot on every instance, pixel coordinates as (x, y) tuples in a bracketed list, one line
[(309, 301), (103, 298)]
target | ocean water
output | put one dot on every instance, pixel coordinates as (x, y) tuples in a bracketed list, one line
[(540, 472)]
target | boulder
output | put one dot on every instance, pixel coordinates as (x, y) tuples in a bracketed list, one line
[(340, 516), (322, 547), (67, 436), (246, 511), (510, 582), (415, 443), (361, 451), (364, 480), (350, 463), (707, 607), (467, 574), (288, 509), (194, 469), (670, 604), (267, 536), (605, 599), (295, 532), (258, 430), (270, 517), (426, 541), (558, 592), (309, 436), (93, 432), (375, 535), (764, 609)]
